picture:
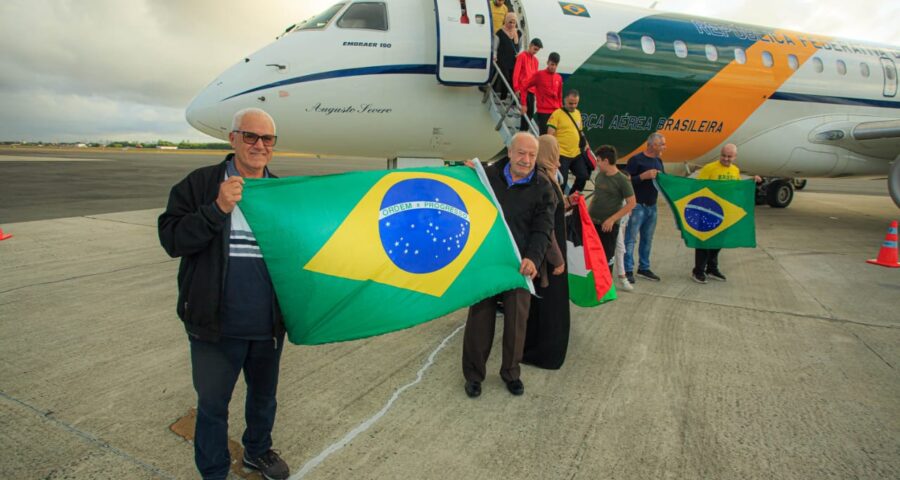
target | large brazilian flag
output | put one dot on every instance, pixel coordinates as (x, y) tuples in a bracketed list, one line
[(712, 213), (365, 253)]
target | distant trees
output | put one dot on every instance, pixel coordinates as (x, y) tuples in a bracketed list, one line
[(183, 145)]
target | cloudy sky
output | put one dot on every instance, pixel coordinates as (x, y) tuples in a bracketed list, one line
[(95, 70)]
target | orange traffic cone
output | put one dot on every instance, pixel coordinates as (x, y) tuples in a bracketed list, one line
[(887, 256), (4, 236)]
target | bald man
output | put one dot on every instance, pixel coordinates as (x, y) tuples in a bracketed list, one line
[(706, 260)]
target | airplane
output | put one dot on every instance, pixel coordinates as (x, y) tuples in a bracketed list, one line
[(404, 80)]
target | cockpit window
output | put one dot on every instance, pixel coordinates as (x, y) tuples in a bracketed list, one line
[(321, 20), (368, 15)]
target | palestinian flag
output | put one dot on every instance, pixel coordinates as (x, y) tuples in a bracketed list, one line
[(590, 283)]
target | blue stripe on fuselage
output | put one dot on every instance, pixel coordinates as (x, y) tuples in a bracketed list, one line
[(465, 62), (347, 72), (858, 102)]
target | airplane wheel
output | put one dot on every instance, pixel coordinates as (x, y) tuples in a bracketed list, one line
[(894, 182), (799, 183), (779, 194)]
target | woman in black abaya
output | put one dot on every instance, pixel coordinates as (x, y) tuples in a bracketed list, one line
[(547, 336)]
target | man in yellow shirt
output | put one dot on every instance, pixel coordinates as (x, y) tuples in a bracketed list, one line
[(706, 260), (565, 125), (498, 12)]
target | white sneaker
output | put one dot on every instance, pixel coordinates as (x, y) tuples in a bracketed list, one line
[(626, 285)]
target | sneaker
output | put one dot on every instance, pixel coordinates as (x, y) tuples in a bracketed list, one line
[(626, 285), (269, 464), (648, 275), (630, 277), (698, 277), (715, 275)]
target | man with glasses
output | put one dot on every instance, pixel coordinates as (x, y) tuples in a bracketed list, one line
[(226, 300)]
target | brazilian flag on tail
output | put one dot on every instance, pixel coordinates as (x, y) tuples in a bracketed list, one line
[(712, 213), (590, 282), (365, 253)]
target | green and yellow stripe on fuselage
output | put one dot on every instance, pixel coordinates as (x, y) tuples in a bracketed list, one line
[(696, 102)]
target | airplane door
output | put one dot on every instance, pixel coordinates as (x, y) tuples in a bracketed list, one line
[(890, 77), (463, 41)]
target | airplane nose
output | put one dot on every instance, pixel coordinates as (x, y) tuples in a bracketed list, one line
[(206, 112)]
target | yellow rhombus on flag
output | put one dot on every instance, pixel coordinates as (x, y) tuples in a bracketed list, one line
[(352, 253)]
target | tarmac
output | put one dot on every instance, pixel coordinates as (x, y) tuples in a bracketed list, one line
[(789, 370)]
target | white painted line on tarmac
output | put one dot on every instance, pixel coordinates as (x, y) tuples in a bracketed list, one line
[(362, 427)]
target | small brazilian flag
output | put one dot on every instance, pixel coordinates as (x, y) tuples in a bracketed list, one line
[(712, 213), (366, 253), (575, 9)]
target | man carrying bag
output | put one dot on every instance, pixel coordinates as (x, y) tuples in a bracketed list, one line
[(565, 124)]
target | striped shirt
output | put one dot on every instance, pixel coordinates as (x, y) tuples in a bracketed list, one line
[(247, 306)]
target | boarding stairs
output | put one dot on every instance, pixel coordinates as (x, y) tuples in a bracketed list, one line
[(507, 114)]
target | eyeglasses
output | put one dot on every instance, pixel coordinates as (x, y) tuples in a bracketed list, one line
[(250, 138)]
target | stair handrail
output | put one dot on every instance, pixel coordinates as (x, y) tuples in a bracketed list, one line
[(532, 127)]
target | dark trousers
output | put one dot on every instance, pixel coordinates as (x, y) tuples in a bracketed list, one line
[(499, 87), (541, 119), (530, 103), (579, 170), (479, 335), (608, 240), (216, 367), (706, 260)]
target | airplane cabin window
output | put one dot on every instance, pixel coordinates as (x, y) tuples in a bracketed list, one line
[(648, 45), (793, 62), (681, 50), (366, 15), (841, 67), (712, 53), (864, 69), (739, 56), (767, 59), (818, 65), (613, 42), (321, 20)]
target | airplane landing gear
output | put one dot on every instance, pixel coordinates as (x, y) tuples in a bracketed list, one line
[(894, 182), (799, 183), (776, 192)]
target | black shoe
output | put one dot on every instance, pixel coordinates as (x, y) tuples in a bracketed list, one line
[(698, 277), (269, 464), (648, 275), (515, 387), (630, 277), (716, 275), (473, 388)]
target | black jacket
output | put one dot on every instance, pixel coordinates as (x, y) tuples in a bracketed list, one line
[(528, 209), (195, 229)]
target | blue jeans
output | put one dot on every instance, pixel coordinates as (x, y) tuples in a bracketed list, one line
[(216, 367), (643, 222)]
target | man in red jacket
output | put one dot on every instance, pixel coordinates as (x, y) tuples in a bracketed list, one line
[(548, 90), (526, 66)]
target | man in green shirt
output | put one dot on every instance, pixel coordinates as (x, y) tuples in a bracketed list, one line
[(613, 198)]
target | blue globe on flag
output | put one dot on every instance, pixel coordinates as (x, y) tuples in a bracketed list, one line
[(423, 225), (703, 214)]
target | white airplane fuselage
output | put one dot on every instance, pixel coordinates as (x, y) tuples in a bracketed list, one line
[(797, 105)]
